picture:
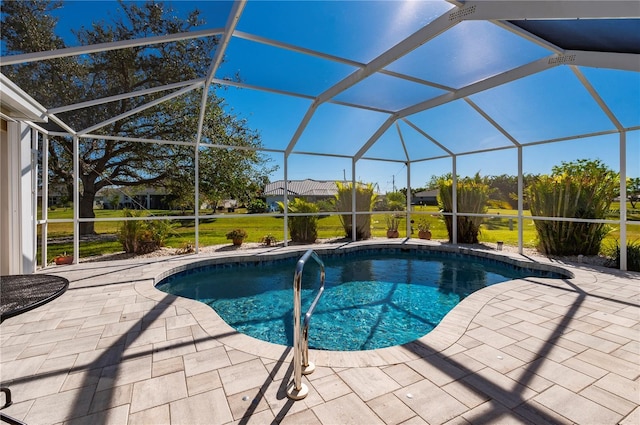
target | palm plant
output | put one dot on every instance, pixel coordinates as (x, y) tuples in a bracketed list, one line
[(365, 199), (472, 195), (582, 189), (302, 229)]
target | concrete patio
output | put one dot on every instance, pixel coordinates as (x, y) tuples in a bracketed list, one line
[(113, 349)]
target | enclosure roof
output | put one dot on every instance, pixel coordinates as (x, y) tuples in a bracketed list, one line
[(601, 35), (395, 80)]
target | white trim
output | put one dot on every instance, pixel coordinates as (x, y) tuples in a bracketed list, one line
[(103, 47)]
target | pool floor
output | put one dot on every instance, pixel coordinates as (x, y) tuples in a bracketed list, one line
[(371, 300)]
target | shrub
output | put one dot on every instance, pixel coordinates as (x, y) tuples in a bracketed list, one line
[(633, 255), (257, 206), (160, 230), (302, 229), (365, 200), (326, 205), (141, 237), (396, 201), (581, 189), (472, 196)]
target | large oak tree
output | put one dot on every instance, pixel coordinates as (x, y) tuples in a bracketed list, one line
[(30, 26)]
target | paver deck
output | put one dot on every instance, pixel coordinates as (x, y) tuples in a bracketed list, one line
[(114, 349)]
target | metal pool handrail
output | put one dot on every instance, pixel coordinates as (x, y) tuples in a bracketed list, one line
[(297, 390)]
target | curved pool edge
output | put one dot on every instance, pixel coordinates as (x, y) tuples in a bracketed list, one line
[(447, 333)]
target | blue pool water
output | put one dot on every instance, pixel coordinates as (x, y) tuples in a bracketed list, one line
[(371, 300)]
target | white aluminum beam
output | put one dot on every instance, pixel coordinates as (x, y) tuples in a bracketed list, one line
[(18, 104), (434, 141), (491, 121), (232, 21), (379, 132), (415, 40), (333, 58), (622, 61), (594, 94), (123, 96), (486, 10), (404, 146), (103, 47), (140, 108), (623, 205), (491, 82)]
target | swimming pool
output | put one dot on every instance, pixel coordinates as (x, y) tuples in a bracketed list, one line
[(372, 299)]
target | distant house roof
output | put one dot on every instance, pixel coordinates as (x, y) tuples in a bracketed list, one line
[(426, 194), (307, 187)]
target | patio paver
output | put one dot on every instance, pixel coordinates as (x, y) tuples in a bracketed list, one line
[(114, 349)]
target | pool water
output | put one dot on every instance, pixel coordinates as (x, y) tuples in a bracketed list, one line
[(370, 301)]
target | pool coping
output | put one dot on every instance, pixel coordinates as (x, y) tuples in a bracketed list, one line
[(447, 332)]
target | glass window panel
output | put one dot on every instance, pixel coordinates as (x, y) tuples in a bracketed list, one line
[(548, 105), (388, 93), (339, 129), (620, 90), (459, 127), (469, 52), (275, 68), (358, 30), (276, 117)]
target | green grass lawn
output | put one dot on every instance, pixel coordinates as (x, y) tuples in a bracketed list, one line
[(212, 231)]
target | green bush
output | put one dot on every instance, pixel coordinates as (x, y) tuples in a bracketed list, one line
[(633, 255), (160, 230), (302, 229), (131, 232), (365, 200), (141, 237), (472, 196), (396, 201), (581, 189), (257, 206)]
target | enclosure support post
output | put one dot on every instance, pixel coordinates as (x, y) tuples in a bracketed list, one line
[(623, 200), (409, 226), (76, 199), (285, 199), (520, 202), (45, 197), (454, 200), (354, 207)]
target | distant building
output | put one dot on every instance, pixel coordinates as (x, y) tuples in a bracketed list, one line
[(137, 198), (311, 190), (426, 197)]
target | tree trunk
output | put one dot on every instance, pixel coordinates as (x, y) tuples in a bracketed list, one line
[(86, 211)]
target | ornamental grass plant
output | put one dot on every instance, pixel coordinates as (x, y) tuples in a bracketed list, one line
[(583, 189), (472, 195), (303, 229), (365, 200)]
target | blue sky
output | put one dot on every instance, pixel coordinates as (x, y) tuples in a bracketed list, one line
[(548, 105)]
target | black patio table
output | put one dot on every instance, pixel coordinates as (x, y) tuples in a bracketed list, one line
[(19, 294)]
